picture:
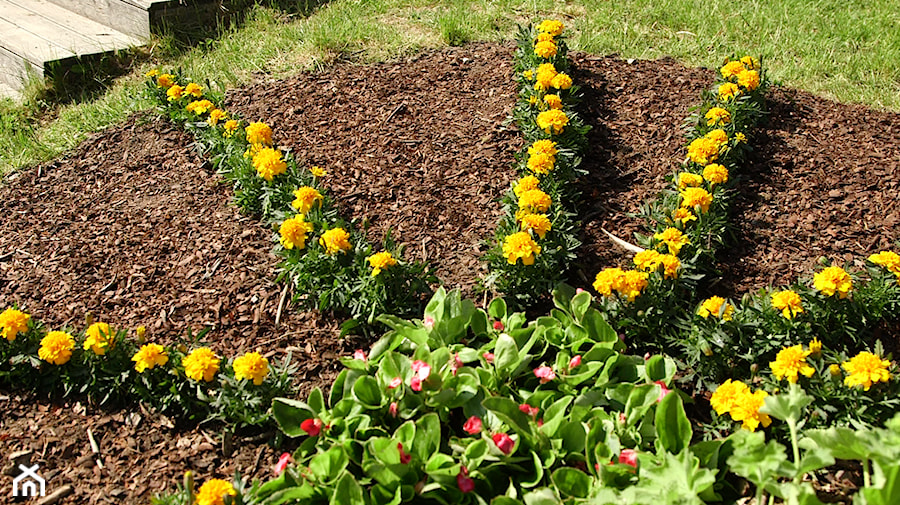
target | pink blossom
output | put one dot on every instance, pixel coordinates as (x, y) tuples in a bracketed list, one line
[(528, 409), (664, 392), (545, 373), (312, 426), (628, 457), (415, 383), (578, 291), (392, 409), (488, 356), (404, 458), (504, 443), (283, 462), (466, 484), (498, 325), (540, 422), (395, 382), (575, 361), (428, 322), (359, 354), (456, 364), (473, 425), (622, 418), (422, 369)]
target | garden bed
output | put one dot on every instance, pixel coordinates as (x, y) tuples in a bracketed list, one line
[(132, 224)]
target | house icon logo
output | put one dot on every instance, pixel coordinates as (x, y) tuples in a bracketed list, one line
[(26, 484)]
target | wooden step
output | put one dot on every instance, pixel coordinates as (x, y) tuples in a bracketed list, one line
[(127, 16)]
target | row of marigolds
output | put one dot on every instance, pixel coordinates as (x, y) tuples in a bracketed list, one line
[(108, 366), (329, 264), (536, 238)]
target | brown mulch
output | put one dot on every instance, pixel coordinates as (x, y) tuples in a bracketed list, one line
[(133, 227)]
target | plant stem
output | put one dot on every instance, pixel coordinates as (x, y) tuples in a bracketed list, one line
[(792, 425), (866, 477)]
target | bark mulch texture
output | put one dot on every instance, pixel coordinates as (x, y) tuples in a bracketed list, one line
[(133, 227)]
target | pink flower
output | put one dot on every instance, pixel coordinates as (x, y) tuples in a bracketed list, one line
[(421, 370), (578, 291), (359, 354), (392, 409), (415, 383), (488, 356), (283, 462), (664, 392), (395, 382), (456, 364), (529, 410), (473, 425), (504, 443), (628, 457), (540, 422), (545, 373), (312, 426), (466, 485), (404, 458), (498, 325), (428, 322), (622, 418), (575, 361)]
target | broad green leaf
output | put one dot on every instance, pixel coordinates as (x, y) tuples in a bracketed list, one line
[(297, 494), (788, 405), (555, 415), (641, 399), (316, 401), (889, 492), (541, 496), (347, 492), (289, 414), (572, 482), (579, 305), (574, 437), (367, 392), (497, 309), (479, 323), (598, 329), (843, 443), (428, 436), (537, 476), (562, 295), (506, 353), (442, 464), (655, 368), (505, 500), (476, 452), (673, 429), (508, 412), (326, 466), (759, 462)]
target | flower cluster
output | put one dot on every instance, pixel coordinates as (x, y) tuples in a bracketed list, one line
[(735, 398)]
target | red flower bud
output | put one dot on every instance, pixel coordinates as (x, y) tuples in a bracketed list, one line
[(473, 425), (415, 383), (404, 458), (575, 361), (504, 443), (312, 426), (466, 485), (359, 354), (283, 462), (488, 356), (664, 392), (545, 373), (392, 410), (498, 325), (628, 457), (395, 382), (528, 409)]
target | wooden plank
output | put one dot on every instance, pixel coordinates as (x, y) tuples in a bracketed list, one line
[(63, 27), (29, 46), (124, 16), (14, 69)]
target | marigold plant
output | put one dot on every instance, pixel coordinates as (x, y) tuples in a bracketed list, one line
[(215, 116), (728, 91), (193, 89), (715, 174), (831, 280), (56, 347), (259, 133), (545, 49), (534, 201), (251, 366), (380, 261), (524, 184), (746, 410), (553, 101), (268, 163), (689, 180), (551, 26), (540, 223), (199, 107), (552, 121), (673, 238), (293, 232), (703, 150), (866, 369), (149, 356), (887, 259), (13, 322), (214, 491), (174, 92), (98, 338), (518, 246), (692, 198), (305, 198), (788, 302), (713, 306), (201, 364), (716, 116), (790, 363), (561, 81), (335, 240)]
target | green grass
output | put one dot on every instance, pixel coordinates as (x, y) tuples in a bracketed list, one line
[(847, 50)]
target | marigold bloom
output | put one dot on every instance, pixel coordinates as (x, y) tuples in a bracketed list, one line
[(715, 174), (293, 232), (380, 261), (833, 280), (545, 49), (98, 338), (552, 121), (687, 179), (528, 74), (713, 307), (834, 369), (692, 198), (335, 240), (683, 215), (815, 347), (13, 322), (215, 116), (545, 74), (199, 107), (647, 260), (534, 201), (541, 163), (728, 91), (56, 347), (304, 199), (562, 81), (149, 356), (673, 238), (716, 116), (887, 259), (544, 37), (746, 409), (724, 397), (633, 283), (251, 366), (524, 184), (553, 101), (750, 62), (540, 223), (865, 369), (165, 81), (703, 150), (671, 264), (317, 171), (259, 133), (520, 245), (732, 69), (175, 92), (740, 138), (551, 26), (231, 126), (201, 364), (718, 136), (213, 492), (748, 79), (790, 363), (543, 146), (268, 163), (152, 73), (608, 280), (193, 89), (788, 302)]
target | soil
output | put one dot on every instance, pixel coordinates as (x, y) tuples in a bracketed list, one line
[(133, 226)]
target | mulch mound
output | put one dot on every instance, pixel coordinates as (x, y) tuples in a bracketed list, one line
[(134, 228)]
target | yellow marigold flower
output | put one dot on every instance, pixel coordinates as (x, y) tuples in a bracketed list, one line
[(98, 338), (13, 322), (543, 146), (671, 264), (562, 81), (56, 347), (335, 240), (149, 356), (231, 126), (545, 49), (790, 363), (683, 215), (713, 306), (201, 364), (551, 26), (673, 238), (718, 136), (715, 174), (520, 245), (748, 79), (687, 179), (728, 91), (732, 69), (380, 261), (541, 163), (553, 101), (152, 73), (251, 366), (174, 92), (528, 74), (833, 280), (716, 116), (788, 302), (268, 163), (834, 369), (304, 199), (725, 396), (524, 184), (537, 222), (608, 280), (545, 74), (750, 62), (543, 37), (815, 347), (215, 116), (647, 260), (259, 133), (746, 409), (165, 81), (865, 369), (532, 100), (213, 492), (193, 89), (534, 201), (633, 283), (293, 232), (887, 259), (318, 171), (552, 121), (740, 137), (703, 150), (691, 198), (199, 107)]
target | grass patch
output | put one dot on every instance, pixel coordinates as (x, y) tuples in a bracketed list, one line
[(846, 50)]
